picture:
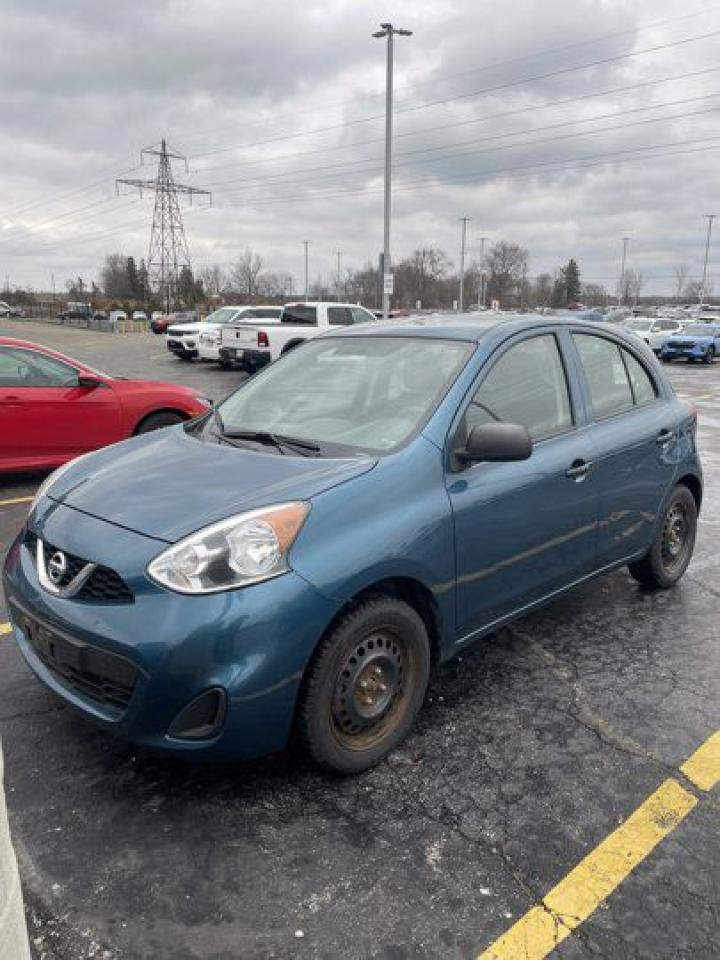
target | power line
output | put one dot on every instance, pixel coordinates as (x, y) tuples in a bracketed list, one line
[(651, 25), (459, 123), (462, 96), (510, 146), (488, 176)]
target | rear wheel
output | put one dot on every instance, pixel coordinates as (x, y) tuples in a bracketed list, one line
[(365, 686), (709, 355), (165, 418), (671, 550)]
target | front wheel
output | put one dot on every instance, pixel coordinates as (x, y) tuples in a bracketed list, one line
[(671, 550), (165, 418), (709, 355), (365, 686)]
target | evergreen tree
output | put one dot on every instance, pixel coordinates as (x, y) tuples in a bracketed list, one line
[(143, 284), (571, 278), (133, 284)]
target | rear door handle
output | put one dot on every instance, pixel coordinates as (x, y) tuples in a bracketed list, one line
[(578, 470), (665, 436)]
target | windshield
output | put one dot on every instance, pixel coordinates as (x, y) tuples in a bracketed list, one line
[(639, 324), (701, 329), (223, 315), (365, 393)]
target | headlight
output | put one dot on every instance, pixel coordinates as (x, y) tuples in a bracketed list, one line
[(236, 552), (48, 482)]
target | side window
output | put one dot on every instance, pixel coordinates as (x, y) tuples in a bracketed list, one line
[(606, 375), (642, 385), (26, 368), (669, 325), (361, 316), (527, 385), (339, 316), (267, 313)]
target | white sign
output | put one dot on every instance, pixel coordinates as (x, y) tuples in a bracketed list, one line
[(495, 305), (418, 304), (388, 283)]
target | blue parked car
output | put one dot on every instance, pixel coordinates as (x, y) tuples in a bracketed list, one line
[(299, 559), (698, 341)]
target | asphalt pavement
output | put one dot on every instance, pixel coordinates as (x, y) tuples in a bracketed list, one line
[(533, 749)]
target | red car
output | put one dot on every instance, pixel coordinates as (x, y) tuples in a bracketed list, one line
[(53, 408)]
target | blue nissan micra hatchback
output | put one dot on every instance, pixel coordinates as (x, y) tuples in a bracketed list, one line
[(298, 559)]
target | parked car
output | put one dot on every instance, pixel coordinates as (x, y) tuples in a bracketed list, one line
[(53, 408), (655, 332), (696, 341), (183, 332), (5, 309), (211, 330), (378, 499), (76, 314), (117, 316), (159, 322), (139, 316), (257, 345)]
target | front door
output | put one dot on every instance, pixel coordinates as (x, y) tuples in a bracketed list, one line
[(522, 530)]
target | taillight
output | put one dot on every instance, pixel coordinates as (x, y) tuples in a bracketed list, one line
[(263, 339)]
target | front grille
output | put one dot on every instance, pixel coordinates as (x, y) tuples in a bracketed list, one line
[(681, 344), (103, 586), (105, 678)]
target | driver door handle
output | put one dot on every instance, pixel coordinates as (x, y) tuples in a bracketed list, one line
[(578, 470), (11, 400)]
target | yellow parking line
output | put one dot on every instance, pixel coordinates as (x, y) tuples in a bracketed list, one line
[(592, 881), (5, 628), (9, 503), (703, 767)]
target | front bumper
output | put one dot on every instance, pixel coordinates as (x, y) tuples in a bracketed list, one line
[(683, 353), (183, 347), (251, 644)]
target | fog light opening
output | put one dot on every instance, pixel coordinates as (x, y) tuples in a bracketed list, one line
[(202, 718)]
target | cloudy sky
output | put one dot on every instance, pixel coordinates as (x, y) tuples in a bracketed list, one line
[(563, 125)]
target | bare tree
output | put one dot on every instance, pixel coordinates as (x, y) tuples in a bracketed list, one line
[(693, 289), (633, 284), (506, 265), (273, 285), (681, 274), (214, 280), (246, 271)]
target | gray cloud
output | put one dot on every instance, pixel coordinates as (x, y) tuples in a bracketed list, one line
[(86, 85)]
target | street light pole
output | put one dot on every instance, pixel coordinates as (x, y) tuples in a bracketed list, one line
[(387, 30), (482, 271), (339, 255), (461, 295), (626, 241), (709, 217), (306, 243)]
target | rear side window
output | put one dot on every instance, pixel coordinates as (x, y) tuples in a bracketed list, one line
[(299, 313), (606, 375), (268, 313), (642, 385), (339, 316), (527, 385)]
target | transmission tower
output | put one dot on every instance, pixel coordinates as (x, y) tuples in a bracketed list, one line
[(168, 246)]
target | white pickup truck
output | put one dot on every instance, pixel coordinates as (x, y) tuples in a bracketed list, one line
[(254, 345)]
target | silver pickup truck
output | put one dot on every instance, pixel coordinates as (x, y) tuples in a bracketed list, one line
[(254, 345)]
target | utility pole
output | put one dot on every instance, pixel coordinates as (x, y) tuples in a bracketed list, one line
[(389, 31), (709, 217), (621, 293), (306, 244), (482, 271), (168, 247), (461, 294), (339, 255), (52, 280)]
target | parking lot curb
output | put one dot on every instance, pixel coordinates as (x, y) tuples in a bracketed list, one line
[(13, 932)]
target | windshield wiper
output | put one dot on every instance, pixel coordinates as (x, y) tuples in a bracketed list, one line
[(279, 440)]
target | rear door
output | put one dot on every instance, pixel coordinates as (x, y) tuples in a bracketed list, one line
[(634, 440), (45, 412), (522, 530)]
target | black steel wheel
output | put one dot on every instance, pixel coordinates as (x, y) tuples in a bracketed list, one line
[(365, 685), (164, 418), (672, 549)]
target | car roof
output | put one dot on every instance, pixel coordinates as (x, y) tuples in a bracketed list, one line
[(470, 327)]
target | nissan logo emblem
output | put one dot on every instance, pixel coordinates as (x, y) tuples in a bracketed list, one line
[(57, 567)]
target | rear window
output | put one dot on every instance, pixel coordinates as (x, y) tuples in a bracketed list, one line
[(299, 313)]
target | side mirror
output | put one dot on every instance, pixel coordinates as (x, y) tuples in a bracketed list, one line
[(496, 443), (88, 382)]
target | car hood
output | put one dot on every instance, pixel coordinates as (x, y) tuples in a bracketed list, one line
[(168, 484), (186, 327), (696, 338)]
